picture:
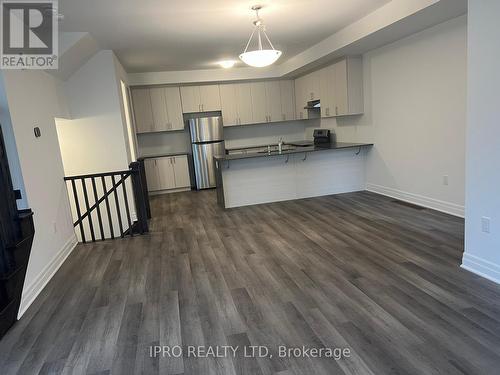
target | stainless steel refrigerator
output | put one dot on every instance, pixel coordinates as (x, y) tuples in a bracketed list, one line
[(207, 139)]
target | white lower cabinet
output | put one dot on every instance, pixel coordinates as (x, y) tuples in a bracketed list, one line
[(181, 171), (152, 176), (165, 173)]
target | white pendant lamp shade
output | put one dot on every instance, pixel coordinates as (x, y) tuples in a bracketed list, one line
[(261, 56)]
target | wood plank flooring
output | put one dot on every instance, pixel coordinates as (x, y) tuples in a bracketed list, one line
[(355, 271)]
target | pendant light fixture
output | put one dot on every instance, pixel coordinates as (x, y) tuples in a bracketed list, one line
[(261, 56)]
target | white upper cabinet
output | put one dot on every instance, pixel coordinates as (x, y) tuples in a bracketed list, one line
[(174, 108), (236, 102), (143, 111), (259, 103), (157, 109), (228, 103), (301, 97), (342, 88), (339, 87), (313, 85), (244, 103), (210, 98), (287, 96), (274, 111), (200, 98), (191, 100), (327, 85)]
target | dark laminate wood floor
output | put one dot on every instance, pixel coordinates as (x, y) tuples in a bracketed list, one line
[(354, 270)]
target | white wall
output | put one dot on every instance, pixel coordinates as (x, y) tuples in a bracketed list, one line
[(95, 139), (35, 99), (236, 136), (415, 110), (267, 133), (482, 250)]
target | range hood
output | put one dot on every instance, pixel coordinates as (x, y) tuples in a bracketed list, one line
[(314, 104)]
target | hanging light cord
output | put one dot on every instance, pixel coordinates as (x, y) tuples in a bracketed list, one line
[(260, 28)]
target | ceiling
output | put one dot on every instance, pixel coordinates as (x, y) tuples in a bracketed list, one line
[(169, 35)]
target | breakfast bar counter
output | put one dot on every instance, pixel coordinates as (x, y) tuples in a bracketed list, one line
[(296, 172)]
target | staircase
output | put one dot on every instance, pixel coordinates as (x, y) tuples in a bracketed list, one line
[(110, 205)]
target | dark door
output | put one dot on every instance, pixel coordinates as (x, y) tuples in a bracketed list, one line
[(8, 208)]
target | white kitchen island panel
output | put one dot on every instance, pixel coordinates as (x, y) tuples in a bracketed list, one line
[(305, 175)]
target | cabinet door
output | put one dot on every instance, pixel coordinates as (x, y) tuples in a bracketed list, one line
[(259, 102), (142, 110), (314, 85), (210, 98), (165, 173), (244, 103), (327, 84), (340, 91), (273, 101), (152, 177), (191, 100), (181, 171), (301, 97), (174, 108), (228, 104), (159, 106), (287, 96)]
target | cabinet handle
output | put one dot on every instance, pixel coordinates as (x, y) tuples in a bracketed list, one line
[(202, 107), (328, 111), (336, 111), (173, 159), (312, 95)]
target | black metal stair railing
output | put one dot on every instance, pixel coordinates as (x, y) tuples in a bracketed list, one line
[(92, 193)]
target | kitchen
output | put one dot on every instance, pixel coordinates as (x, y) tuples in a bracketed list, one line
[(213, 117), (293, 176)]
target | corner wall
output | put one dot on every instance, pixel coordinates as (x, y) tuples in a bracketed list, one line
[(482, 249), (95, 139), (42, 171), (415, 110)]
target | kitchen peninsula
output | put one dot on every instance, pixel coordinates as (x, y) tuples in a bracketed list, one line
[(253, 176)]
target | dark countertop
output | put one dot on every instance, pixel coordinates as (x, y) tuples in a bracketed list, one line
[(163, 155), (298, 150)]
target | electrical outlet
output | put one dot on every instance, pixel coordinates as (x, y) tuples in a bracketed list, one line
[(446, 180), (485, 224)]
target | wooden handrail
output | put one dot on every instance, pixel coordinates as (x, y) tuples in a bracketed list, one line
[(96, 175)]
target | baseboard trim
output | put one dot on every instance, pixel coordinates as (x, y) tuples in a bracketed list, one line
[(161, 192), (32, 291), (481, 267), (420, 200)]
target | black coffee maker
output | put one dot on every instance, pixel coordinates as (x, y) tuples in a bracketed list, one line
[(323, 137)]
